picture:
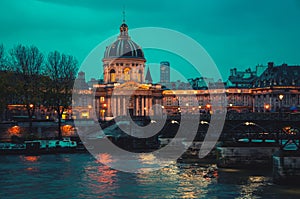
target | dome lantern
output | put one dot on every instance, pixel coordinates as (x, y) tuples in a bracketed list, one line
[(123, 30)]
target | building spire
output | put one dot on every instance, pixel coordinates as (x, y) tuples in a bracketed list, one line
[(124, 27), (124, 16), (148, 76)]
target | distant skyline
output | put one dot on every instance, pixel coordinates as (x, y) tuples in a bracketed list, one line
[(235, 33)]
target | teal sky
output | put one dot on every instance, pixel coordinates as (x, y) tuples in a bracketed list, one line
[(235, 33)]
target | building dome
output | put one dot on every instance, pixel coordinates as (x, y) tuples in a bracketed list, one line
[(123, 47), (123, 60)]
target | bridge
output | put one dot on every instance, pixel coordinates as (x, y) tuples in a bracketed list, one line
[(237, 125)]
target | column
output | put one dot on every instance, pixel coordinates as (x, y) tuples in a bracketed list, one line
[(150, 106), (137, 106), (147, 106), (109, 106), (114, 106), (143, 105), (119, 107), (123, 106)]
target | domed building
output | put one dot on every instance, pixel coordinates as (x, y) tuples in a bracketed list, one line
[(123, 60), (125, 91)]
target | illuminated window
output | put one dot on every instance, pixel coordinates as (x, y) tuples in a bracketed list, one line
[(127, 74), (84, 115), (169, 101), (112, 75), (140, 76)]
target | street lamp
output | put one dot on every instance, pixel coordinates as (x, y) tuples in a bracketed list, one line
[(281, 96), (103, 110), (203, 122), (249, 123), (162, 111), (208, 106), (174, 122), (267, 107), (89, 107), (178, 110)]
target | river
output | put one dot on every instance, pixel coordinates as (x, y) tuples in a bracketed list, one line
[(82, 176)]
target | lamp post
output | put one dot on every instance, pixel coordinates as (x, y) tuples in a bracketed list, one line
[(267, 107), (175, 122), (31, 113), (281, 96), (103, 110), (90, 112), (199, 107), (208, 106)]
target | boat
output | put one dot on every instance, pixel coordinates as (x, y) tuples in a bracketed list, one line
[(66, 145)]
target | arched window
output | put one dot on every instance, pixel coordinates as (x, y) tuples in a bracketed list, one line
[(126, 74), (112, 75), (139, 78)]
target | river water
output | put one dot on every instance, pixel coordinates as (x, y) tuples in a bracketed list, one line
[(82, 176)]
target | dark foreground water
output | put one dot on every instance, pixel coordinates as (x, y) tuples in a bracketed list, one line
[(81, 176)]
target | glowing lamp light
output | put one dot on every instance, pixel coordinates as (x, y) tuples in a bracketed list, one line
[(174, 122), (14, 130), (280, 97), (67, 130)]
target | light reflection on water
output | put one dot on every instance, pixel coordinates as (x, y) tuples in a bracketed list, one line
[(82, 176)]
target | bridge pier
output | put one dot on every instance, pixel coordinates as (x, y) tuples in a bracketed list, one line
[(245, 156), (286, 167)]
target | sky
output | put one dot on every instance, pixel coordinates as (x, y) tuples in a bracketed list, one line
[(234, 33)]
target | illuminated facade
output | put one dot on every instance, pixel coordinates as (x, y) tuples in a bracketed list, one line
[(125, 92)]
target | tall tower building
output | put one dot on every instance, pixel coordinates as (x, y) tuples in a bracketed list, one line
[(164, 72)]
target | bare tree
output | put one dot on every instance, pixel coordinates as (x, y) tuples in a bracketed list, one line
[(28, 65), (62, 70), (3, 82), (2, 57)]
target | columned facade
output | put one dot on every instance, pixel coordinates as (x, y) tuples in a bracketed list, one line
[(127, 99)]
